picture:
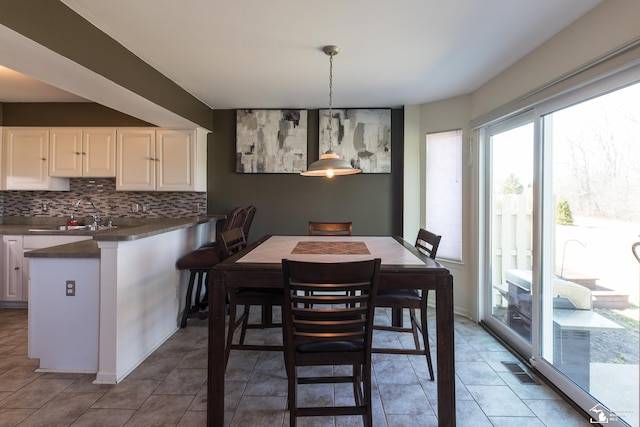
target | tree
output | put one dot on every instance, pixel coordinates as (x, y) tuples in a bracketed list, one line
[(512, 185), (563, 213)]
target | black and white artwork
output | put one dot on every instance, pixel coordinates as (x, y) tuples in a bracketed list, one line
[(362, 137), (271, 141)]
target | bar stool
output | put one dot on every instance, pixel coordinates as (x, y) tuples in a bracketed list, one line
[(199, 262)]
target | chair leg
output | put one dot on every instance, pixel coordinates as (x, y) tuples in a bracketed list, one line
[(245, 322), (292, 395), (425, 333), (415, 326), (187, 305)]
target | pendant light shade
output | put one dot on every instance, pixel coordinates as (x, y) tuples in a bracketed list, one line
[(330, 163)]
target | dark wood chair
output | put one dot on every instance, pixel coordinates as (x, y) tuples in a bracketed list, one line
[(427, 243), (330, 228), (249, 213), (233, 241), (329, 329), (199, 262)]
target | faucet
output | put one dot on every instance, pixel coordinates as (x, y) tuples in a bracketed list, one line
[(96, 217)]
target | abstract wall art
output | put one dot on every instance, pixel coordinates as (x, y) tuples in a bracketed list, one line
[(271, 141), (362, 137)]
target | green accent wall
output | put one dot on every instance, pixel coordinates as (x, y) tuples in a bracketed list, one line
[(286, 202)]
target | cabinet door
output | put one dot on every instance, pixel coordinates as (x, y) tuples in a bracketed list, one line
[(12, 268), (26, 159), (175, 167), (136, 164), (65, 146), (99, 151)]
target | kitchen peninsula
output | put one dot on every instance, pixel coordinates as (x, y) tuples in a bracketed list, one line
[(105, 304)]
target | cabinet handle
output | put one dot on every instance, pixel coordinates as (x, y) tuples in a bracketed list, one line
[(77, 154), (44, 159), (16, 268), (84, 154)]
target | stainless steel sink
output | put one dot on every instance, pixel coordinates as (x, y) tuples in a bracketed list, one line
[(65, 228)]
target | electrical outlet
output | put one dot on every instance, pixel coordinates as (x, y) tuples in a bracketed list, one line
[(135, 207), (71, 288)]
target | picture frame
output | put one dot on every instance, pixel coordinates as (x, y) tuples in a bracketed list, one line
[(271, 141), (362, 137)]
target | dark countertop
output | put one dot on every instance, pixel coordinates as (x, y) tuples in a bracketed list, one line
[(89, 248)]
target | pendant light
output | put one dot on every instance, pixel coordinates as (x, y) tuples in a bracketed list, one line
[(330, 163)]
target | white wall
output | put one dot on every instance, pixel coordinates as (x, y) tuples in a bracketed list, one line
[(602, 30)]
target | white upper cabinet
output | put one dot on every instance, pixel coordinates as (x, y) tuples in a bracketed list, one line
[(82, 152), (26, 161), (161, 160)]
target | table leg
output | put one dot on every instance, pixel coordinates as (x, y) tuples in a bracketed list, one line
[(215, 380), (446, 360), (396, 317)]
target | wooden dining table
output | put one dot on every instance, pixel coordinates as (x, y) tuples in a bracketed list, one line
[(402, 267)]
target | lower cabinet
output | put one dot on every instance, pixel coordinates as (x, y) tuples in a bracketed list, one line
[(15, 267)]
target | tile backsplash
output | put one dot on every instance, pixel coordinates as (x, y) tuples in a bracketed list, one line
[(109, 202)]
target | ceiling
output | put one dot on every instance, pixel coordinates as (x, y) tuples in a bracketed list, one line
[(268, 54)]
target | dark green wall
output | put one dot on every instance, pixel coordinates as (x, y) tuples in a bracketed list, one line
[(75, 114), (286, 202)]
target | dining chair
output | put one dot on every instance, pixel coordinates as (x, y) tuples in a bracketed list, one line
[(233, 241), (412, 299), (249, 213), (199, 262), (330, 228), (329, 329)]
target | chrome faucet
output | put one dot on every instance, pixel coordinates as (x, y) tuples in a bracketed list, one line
[(96, 217)]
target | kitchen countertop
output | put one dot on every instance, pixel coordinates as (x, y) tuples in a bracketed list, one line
[(89, 248)]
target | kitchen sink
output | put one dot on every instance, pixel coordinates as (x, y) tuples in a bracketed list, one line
[(65, 228)]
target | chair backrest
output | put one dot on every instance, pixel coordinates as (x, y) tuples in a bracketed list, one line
[(249, 213), (235, 218), (428, 243), (345, 314), (330, 228), (232, 241)]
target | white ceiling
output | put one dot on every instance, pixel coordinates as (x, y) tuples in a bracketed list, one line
[(267, 54)]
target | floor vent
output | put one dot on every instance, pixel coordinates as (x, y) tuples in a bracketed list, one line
[(520, 373)]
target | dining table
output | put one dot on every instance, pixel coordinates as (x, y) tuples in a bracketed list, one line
[(402, 267)]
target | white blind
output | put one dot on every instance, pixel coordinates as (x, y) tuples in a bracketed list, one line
[(444, 191)]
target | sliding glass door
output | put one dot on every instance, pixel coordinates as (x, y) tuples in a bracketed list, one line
[(590, 277), (562, 213), (509, 180)]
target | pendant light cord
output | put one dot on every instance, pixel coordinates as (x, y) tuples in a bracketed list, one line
[(330, 101)]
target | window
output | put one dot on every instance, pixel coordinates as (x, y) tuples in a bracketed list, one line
[(444, 191)]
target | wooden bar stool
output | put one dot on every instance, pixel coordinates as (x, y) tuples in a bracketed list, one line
[(199, 262)]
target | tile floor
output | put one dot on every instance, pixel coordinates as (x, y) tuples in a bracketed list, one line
[(169, 388)]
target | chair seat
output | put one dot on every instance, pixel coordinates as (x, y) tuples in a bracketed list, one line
[(331, 347), (394, 296), (199, 259)]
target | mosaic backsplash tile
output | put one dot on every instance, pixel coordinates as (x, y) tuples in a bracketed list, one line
[(109, 202)]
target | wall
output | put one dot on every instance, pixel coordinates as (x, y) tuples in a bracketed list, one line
[(606, 27), (286, 202), (599, 32)]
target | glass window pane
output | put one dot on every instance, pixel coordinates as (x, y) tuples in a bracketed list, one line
[(591, 332)]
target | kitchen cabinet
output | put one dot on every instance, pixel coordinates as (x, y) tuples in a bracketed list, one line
[(26, 161), (82, 152), (12, 284), (161, 160), (15, 267)]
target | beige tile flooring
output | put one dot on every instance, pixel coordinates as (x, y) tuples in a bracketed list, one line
[(169, 388)]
